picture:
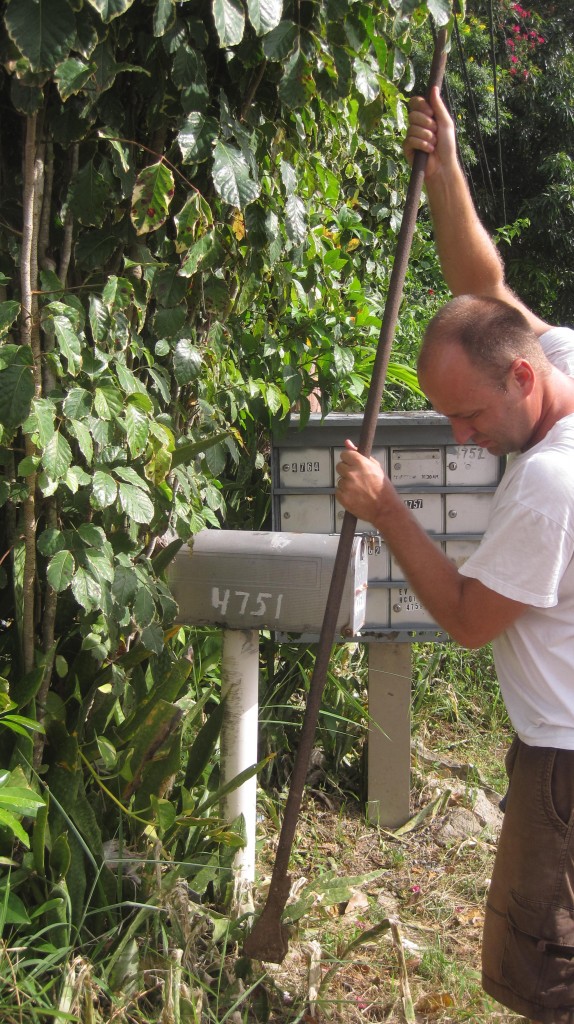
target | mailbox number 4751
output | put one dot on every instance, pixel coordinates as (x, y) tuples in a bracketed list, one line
[(220, 600)]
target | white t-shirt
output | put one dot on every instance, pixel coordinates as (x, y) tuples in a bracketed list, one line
[(527, 554)]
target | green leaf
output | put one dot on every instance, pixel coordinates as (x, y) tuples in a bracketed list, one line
[(280, 42), (109, 9), (60, 571), (440, 10), (186, 362), (197, 136), (296, 219), (151, 197), (104, 490), (229, 21), (69, 343), (71, 76), (144, 607), (366, 81), (199, 253), (85, 589), (152, 638), (135, 503), (7, 820), (231, 176), (9, 311), (84, 439), (163, 16), (77, 403), (43, 30), (264, 15), (16, 385), (108, 402), (124, 586), (57, 457), (297, 85), (137, 424)]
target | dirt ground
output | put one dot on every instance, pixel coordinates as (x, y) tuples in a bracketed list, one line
[(388, 925)]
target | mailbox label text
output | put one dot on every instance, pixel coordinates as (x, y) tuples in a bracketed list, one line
[(243, 602)]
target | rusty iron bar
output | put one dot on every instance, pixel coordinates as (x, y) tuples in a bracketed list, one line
[(268, 939)]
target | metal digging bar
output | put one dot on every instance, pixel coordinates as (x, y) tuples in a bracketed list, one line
[(268, 937)]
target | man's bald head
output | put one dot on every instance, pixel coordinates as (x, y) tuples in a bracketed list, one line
[(491, 332)]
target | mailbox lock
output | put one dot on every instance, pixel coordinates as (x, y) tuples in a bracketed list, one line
[(453, 465), (452, 514), (286, 515)]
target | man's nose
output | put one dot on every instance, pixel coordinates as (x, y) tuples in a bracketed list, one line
[(462, 431)]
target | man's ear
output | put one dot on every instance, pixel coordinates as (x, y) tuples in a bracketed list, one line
[(522, 373)]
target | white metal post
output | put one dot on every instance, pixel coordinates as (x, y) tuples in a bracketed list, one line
[(238, 742)]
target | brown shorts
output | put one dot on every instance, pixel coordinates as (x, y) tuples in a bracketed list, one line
[(528, 941)]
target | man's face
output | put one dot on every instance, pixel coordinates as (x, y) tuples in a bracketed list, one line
[(481, 411)]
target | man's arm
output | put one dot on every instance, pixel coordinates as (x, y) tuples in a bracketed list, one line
[(469, 259), (470, 612)]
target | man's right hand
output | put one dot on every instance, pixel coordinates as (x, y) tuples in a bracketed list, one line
[(430, 130)]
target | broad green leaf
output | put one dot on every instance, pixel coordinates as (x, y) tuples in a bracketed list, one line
[(440, 10), (144, 607), (297, 85), (42, 419), (60, 570), (20, 800), (366, 80), (296, 219), (229, 21), (92, 535), (43, 30), (231, 176), (137, 424), (16, 386), (13, 909), (84, 439), (85, 589), (57, 457), (197, 136), (125, 585), (199, 253), (163, 16), (50, 541), (135, 503), (69, 343), (71, 76), (99, 564), (108, 402), (264, 15), (186, 361), (152, 638), (151, 197), (100, 319), (109, 9), (77, 403), (193, 219), (280, 42), (130, 476), (8, 312), (104, 490)]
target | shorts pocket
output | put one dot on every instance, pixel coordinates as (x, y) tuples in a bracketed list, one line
[(538, 962)]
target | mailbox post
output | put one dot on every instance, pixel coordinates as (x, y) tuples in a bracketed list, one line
[(448, 487), (244, 582)]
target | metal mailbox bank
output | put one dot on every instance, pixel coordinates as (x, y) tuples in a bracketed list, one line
[(448, 487)]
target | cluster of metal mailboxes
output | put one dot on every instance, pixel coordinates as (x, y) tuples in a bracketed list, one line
[(447, 486)]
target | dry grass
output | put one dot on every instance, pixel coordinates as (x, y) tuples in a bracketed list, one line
[(432, 883)]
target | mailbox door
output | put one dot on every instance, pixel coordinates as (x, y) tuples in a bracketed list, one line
[(306, 513), (470, 465), (467, 513), (427, 509), (310, 467), (407, 612), (417, 466)]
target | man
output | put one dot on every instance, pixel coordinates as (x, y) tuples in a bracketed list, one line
[(495, 370)]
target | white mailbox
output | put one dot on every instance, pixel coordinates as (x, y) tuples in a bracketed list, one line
[(448, 488), (256, 580)]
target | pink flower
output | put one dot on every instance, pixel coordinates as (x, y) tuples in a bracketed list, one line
[(515, 28), (513, 71), (510, 44), (514, 60)]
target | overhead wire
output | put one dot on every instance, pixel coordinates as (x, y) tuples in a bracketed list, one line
[(497, 110)]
